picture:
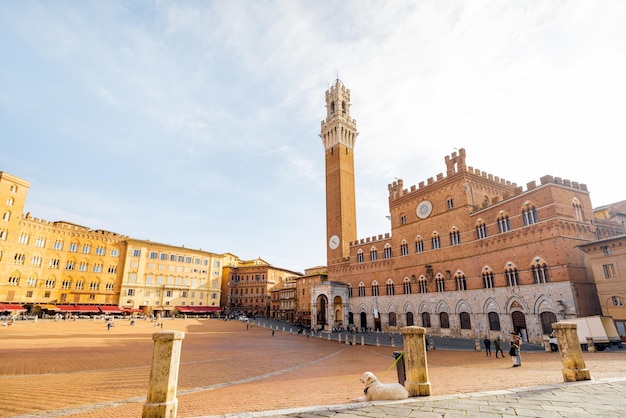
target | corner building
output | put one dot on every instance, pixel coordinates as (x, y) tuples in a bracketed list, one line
[(469, 255)]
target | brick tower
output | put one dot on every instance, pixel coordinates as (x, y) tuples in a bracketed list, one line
[(339, 136)]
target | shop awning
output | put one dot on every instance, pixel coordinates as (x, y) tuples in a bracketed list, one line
[(87, 308), (11, 307), (66, 308), (198, 309), (110, 309), (206, 308), (49, 307), (131, 310)]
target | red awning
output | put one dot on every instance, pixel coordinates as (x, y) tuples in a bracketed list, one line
[(110, 309), (185, 309), (11, 307), (87, 308), (67, 308), (202, 309), (132, 310)]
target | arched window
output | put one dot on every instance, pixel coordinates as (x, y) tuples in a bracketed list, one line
[(444, 320), (455, 236), (435, 241), (504, 225), (422, 284), (392, 319), (373, 254), (361, 289), (403, 219), (359, 256), (441, 284), (578, 210), (547, 319), (481, 229), (460, 281), (540, 271), (406, 283), (375, 288), (387, 251), (390, 288), (409, 319), (419, 245), (512, 275), (529, 213), (494, 321), (426, 320), (488, 278), (466, 322), (404, 248)]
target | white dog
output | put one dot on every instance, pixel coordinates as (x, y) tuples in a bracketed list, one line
[(376, 391)]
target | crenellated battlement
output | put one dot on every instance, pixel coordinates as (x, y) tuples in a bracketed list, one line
[(368, 240), (455, 163), (72, 227)]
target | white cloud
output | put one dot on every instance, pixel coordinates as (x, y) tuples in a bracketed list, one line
[(211, 110)]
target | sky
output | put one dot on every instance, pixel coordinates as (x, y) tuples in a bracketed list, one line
[(196, 123)]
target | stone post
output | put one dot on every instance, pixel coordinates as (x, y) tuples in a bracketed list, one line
[(477, 345), (377, 341), (161, 401), (362, 340), (574, 368), (415, 361)]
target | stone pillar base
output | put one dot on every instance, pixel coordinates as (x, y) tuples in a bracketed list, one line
[(160, 410), (574, 375), (417, 389)]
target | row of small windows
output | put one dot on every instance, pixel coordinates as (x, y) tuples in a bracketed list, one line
[(540, 274), (55, 263), (503, 223), (465, 321), (65, 284), (154, 255), (74, 247)]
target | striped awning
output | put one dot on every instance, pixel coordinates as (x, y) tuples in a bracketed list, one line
[(11, 307)]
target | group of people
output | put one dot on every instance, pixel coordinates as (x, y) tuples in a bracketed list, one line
[(514, 351)]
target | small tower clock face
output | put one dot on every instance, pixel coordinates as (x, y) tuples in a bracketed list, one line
[(424, 209), (333, 242)]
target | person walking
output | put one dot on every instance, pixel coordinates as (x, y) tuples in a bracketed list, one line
[(487, 344), (514, 352), (498, 346)]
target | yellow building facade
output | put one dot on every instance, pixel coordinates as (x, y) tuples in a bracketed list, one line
[(159, 279), (63, 268)]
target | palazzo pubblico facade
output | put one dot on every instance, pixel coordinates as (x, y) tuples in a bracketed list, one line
[(469, 254)]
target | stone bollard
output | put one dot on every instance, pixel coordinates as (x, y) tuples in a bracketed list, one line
[(161, 401), (328, 337), (377, 341), (354, 340), (393, 342), (574, 368), (415, 361), (362, 340), (546, 343), (339, 337), (477, 345)]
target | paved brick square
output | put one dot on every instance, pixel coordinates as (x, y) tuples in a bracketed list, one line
[(81, 369)]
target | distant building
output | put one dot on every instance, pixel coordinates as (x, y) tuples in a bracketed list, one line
[(469, 254), (283, 300), (161, 279), (606, 258), (50, 268), (248, 285), (305, 286)]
